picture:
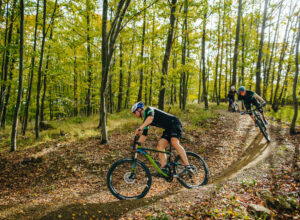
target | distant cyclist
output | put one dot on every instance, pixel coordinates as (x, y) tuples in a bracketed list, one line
[(231, 96), (251, 98), (171, 134)]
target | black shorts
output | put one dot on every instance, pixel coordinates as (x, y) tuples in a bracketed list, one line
[(174, 131), (255, 102)]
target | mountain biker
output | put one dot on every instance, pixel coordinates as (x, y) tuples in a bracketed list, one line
[(231, 96), (171, 134), (249, 98)]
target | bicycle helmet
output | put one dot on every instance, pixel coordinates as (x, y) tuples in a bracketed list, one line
[(136, 106), (232, 87), (241, 89)]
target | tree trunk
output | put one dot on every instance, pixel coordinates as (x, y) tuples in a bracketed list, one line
[(165, 64), (20, 87), (293, 124), (8, 91), (127, 100), (28, 98), (260, 52), (120, 95), (183, 56), (40, 74), (45, 76), (236, 46), (89, 59), (75, 84), (108, 44), (140, 95), (7, 58), (203, 61), (282, 55)]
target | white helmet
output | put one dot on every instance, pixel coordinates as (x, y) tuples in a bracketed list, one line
[(232, 87), (136, 106)]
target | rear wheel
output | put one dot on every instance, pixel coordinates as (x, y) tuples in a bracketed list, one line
[(201, 172), (128, 181)]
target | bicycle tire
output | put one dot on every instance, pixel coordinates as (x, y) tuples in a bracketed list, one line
[(112, 186), (262, 128), (203, 168)]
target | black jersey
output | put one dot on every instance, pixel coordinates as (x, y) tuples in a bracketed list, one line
[(161, 119), (249, 96), (231, 94)]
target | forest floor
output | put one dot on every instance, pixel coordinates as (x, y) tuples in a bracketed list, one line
[(66, 178)]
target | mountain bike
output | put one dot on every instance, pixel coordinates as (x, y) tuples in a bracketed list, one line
[(260, 123), (130, 178)]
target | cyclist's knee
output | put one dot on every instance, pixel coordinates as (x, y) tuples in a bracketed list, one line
[(175, 142)]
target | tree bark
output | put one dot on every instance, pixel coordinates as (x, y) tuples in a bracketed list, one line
[(236, 46), (7, 58), (108, 44), (165, 64), (37, 135), (260, 52), (295, 101), (120, 95), (20, 87), (140, 94), (28, 98), (203, 61), (89, 59)]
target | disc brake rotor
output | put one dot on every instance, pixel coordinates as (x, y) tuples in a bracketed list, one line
[(129, 177)]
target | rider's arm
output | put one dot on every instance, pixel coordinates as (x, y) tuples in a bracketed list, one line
[(258, 97), (147, 122)]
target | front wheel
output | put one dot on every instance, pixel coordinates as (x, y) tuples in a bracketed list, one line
[(263, 128), (201, 172), (129, 179)]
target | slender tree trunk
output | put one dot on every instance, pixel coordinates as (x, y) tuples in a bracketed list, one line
[(152, 58), (40, 73), (199, 83), (272, 54), (120, 95), (75, 84), (28, 98), (260, 52), (2, 92), (45, 75), (293, 124), (7, 58), (282, 55), (236, 46), (20, 87), (140, 95), (127, 101), (165, 65), (89, 59), (183, 56), (8, 91), (242, 81), (221, 62), (203, 61)]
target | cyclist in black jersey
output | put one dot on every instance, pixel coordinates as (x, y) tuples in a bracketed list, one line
[(171, 134), (231, 96), (251, 98)]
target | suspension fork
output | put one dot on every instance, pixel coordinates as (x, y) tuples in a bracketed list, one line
[(134, 162)]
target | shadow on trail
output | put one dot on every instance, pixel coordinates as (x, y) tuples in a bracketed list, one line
[(86, 211), (254, 150)]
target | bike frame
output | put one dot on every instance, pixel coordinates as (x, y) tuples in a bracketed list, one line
[(143, 150)]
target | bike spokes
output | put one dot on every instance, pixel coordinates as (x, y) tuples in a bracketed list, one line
[(127, 181)]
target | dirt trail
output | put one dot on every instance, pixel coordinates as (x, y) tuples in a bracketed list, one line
[(233, 145)]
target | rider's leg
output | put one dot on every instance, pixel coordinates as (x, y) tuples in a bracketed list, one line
[(162, 144), (180, 150), (248, 110)]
